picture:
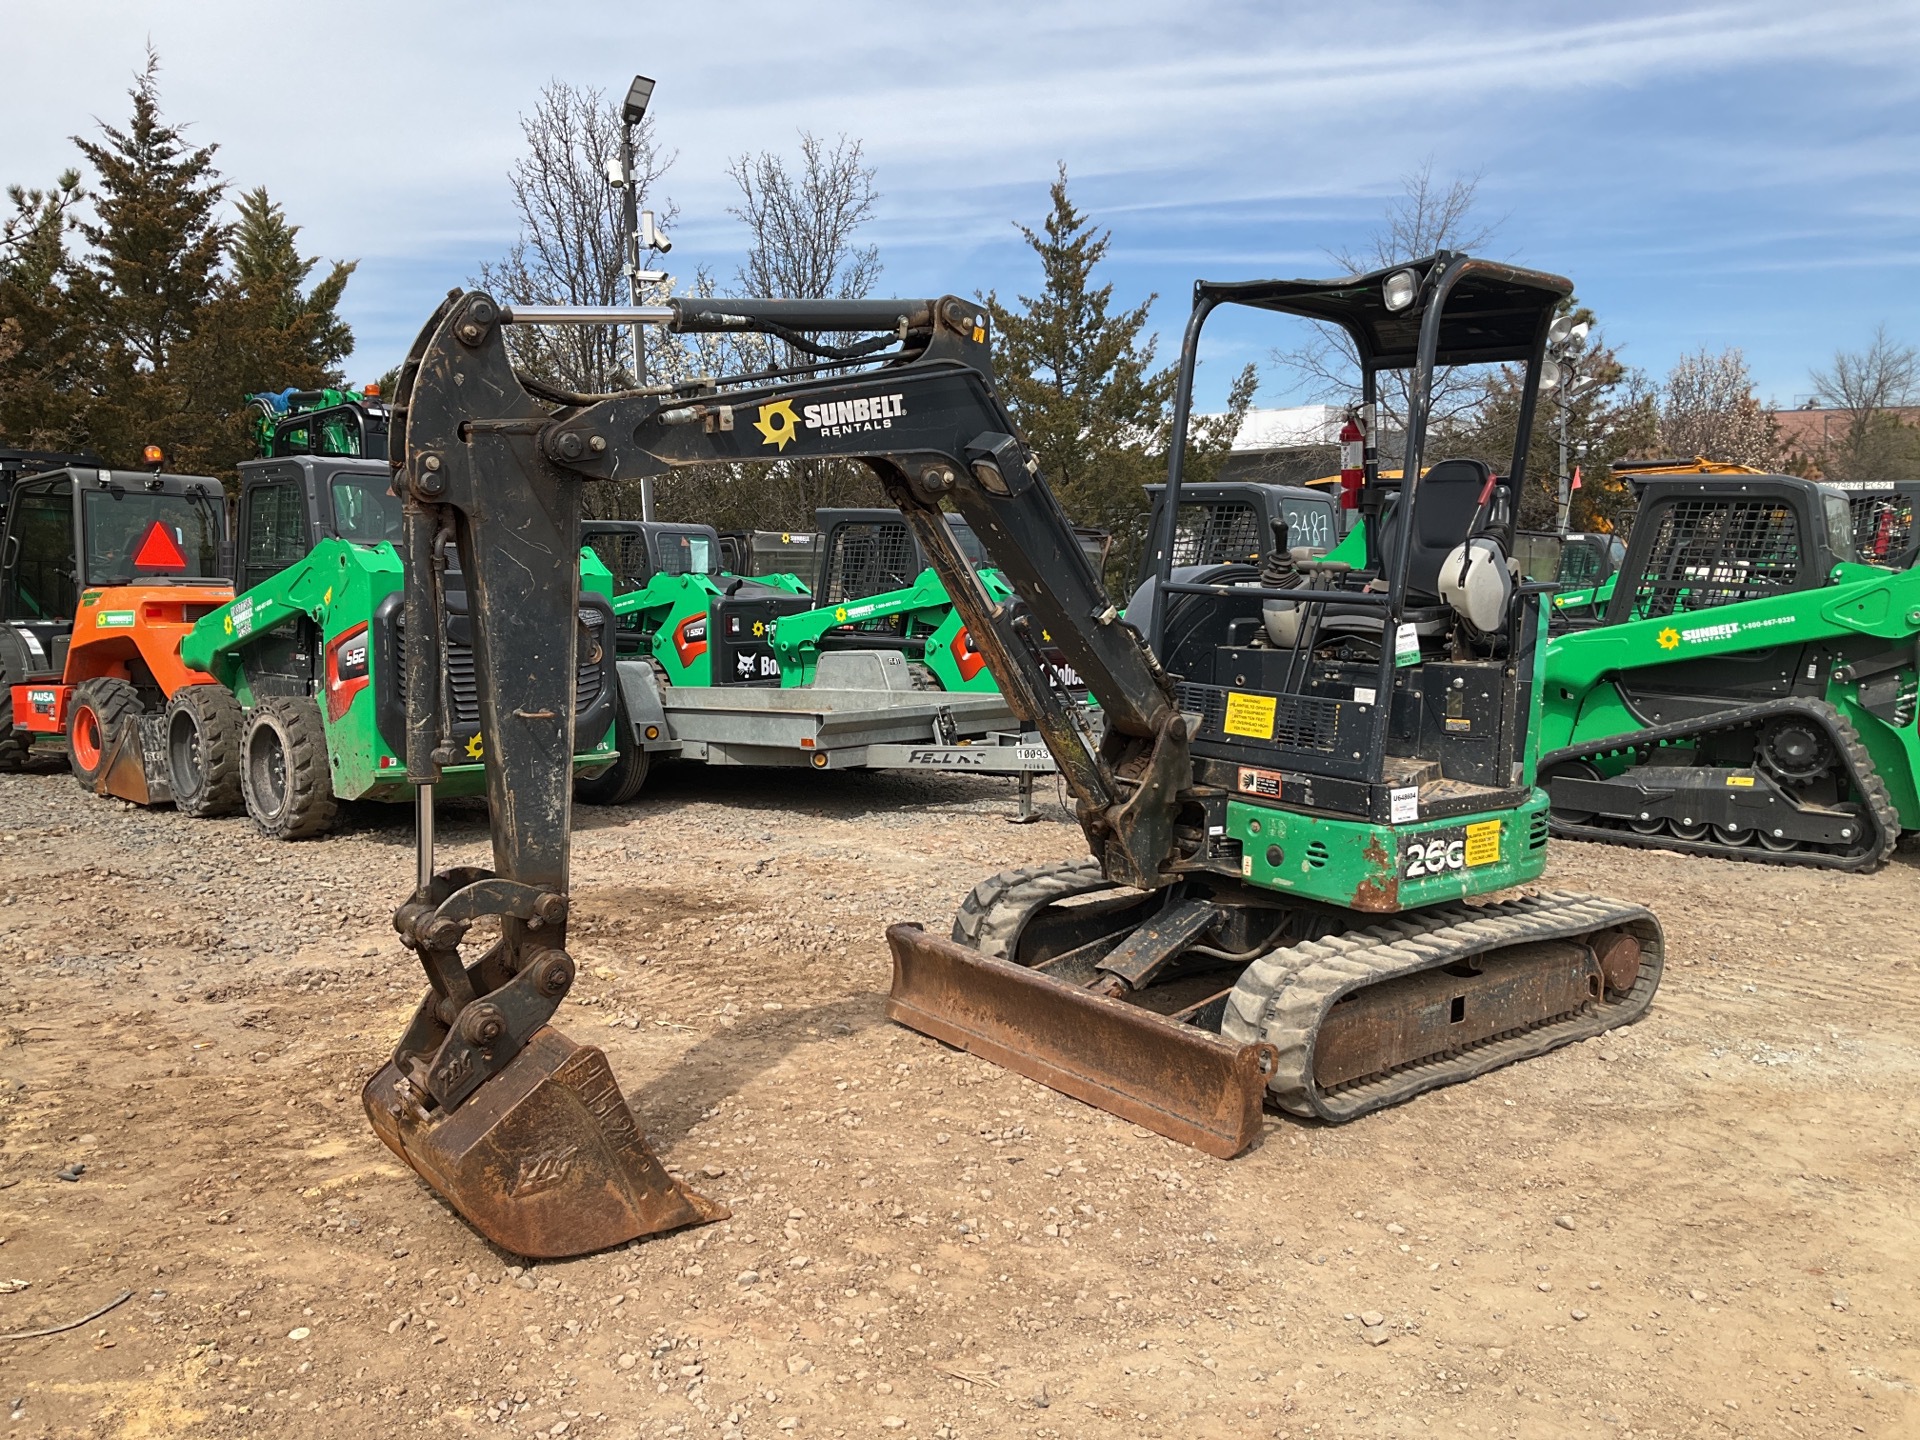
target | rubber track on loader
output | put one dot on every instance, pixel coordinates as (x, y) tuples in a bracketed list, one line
[(1846, 742), (1284, 997)]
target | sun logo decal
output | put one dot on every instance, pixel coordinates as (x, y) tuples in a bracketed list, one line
[(840, 612), (778, 425), (475, 749), (1669, 639)]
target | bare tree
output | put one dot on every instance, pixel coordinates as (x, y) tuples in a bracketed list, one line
[(568, 252), (1427, 216), (803, 222), (1707, 408), (1864, 382)]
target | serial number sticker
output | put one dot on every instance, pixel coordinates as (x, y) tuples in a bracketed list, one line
[(1483, 843), (1249, 715), (1403, 805), (1362, 695), (1261, 782), (1746, 780)]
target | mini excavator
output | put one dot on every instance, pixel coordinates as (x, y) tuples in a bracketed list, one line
[(1306, 768)]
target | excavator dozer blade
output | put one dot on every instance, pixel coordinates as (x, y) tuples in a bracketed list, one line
[(1184, 1083), (544, 1159)]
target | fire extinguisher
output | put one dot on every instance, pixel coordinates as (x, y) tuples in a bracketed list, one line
[(1353, 442)]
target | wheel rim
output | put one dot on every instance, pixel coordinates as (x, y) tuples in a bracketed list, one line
[(1780, 844), (267, 769), (1684, 831), (1733, 834), (1647, 827), (183, 749), (86, 737)]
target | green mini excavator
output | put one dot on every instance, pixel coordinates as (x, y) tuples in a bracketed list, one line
[(1311, 782)]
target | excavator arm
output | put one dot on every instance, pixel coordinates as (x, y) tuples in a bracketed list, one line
[(524, 1132)]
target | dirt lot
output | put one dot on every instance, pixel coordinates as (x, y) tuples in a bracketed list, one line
[(1704, 1225)]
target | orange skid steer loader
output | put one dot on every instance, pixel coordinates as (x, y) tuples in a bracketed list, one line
[(102, 572)]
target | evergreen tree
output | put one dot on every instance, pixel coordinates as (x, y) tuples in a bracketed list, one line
[(44, 352), (160, 330), (1077, 376), (267, 266), (153, 267), (1079, 380)]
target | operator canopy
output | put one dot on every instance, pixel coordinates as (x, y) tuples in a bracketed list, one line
[(1493, 311)]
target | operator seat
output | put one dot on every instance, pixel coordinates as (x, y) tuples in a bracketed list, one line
[(1449, 496), (1444, 521)]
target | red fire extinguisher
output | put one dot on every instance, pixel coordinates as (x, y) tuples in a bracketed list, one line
[(1352, 461)]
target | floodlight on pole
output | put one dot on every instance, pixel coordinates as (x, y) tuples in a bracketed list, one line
[(638, 94), (633, 111)]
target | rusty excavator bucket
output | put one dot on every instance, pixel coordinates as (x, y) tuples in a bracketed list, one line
[(544, 1159)]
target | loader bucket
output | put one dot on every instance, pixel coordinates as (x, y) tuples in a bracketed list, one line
[(544, 1159), (134, 765), (1185, 1083)]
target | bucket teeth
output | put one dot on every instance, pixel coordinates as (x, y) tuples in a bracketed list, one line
[(544, 1159)]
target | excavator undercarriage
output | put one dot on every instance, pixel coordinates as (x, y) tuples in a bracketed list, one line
[(1305, 772)]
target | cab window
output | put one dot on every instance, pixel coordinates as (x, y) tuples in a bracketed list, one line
[(41, 582), (276, 532)]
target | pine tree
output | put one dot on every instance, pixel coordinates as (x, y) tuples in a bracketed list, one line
[(267, 266), (153, 267), (44, 352), (1078, 378)]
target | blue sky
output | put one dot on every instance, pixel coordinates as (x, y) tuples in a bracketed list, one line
[(1734, 174)]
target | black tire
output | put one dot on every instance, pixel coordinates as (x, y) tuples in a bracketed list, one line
[(623, 779), (98, 710), (283, 770), (205, 726), (14, 744)]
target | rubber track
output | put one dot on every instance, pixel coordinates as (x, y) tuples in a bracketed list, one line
[(1860, 772), (1284, 997), (989, 919)]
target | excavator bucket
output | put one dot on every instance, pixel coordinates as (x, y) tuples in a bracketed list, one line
[(544, 1159), (1183, 1082)]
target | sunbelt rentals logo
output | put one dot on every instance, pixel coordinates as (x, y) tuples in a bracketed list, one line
[(779, 426)]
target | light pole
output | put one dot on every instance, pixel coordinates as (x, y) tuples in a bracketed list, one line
[(1565, 341), (635, 226)]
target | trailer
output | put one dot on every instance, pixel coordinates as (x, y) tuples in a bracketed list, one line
[(865, 710)]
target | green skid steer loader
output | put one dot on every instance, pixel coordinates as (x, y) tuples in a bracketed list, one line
[(1750, 692), (308, 709)]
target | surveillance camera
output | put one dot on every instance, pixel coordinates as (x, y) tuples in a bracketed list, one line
[(652, 237)]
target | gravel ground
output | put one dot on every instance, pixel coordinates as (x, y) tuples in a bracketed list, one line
[(1703, 1225)]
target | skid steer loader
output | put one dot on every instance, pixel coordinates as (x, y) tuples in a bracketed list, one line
[(1750, 692), (1285, 810), (102, 572)]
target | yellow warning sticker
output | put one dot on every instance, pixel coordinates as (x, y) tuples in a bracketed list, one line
[(1746, 780), (1250, 715), (1483, 843)]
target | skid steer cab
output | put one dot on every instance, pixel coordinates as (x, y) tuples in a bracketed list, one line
[(308, 710), (103, 573)]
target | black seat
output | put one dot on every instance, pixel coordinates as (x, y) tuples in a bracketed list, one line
[(1449, 496)]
